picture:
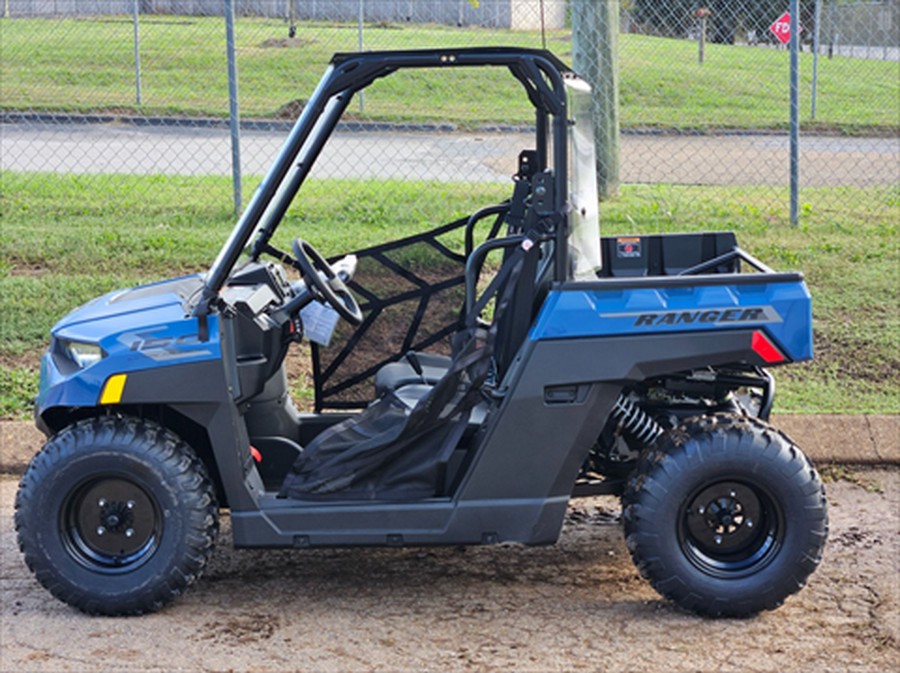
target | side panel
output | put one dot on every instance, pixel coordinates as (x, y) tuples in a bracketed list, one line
[(279, 524), (559, 395), (558, 400), (782, 308)]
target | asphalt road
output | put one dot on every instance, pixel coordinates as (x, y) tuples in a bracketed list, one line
[(749, 159)]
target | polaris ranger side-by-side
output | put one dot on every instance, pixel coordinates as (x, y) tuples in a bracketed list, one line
[(477, 376)]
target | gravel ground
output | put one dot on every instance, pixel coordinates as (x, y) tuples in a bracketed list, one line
[(578, 605)]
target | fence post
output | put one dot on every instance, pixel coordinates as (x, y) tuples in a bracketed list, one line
[(815, 79), (292, 18), (795, 112), (360, 19), (137, 53), (233, 113), (595, 37), (703, 15)]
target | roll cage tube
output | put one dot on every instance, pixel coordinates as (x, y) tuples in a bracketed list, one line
[(540, 73)]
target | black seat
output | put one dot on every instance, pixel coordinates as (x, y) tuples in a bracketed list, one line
[(413, 369)]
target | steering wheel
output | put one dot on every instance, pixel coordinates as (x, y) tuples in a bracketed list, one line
[(331, 289)]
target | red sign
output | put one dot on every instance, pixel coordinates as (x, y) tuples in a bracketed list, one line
[(782, 28)]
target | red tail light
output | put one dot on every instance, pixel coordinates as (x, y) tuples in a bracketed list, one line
[(766, 349)]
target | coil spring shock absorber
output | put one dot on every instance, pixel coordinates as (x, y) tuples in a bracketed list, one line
[(636, 422)]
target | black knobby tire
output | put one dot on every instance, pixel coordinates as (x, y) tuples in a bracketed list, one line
[(725, 516), (116, 516)]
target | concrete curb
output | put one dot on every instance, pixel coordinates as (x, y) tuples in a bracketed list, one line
[(222, 123), (840, 438), (285, 125), (826, 438)]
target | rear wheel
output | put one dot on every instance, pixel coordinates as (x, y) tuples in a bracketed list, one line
[(726, 516), (116, 516)]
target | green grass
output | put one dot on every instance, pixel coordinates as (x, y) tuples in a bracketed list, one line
[(80, 65), (66, 239)]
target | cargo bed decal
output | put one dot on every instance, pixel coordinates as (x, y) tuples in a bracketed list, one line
[(712, 316)]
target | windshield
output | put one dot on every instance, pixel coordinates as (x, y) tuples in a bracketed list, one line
[(584, 223)]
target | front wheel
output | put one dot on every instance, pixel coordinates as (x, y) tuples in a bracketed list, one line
[(116, 516), (725, 516)]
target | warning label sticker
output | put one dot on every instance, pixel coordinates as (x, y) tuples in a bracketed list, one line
[(628, 248)]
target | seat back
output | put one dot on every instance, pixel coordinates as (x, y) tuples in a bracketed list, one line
[(514, 324)]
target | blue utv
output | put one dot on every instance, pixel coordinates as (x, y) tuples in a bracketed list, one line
[(479, 376)]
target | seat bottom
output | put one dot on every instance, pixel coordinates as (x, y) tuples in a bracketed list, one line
[(396, 375), (411, 394)]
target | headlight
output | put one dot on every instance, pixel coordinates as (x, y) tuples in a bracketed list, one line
[(84, 354)]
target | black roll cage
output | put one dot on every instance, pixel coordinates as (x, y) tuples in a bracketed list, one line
[(540, 73)]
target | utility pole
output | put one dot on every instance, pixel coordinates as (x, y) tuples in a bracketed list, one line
[(595, 46)]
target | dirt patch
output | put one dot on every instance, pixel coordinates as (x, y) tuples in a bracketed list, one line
[(18, 268), (579, 604), (225, 628), (855, 358), (291, 110), (285, 43), (29, 359), (298, 365)]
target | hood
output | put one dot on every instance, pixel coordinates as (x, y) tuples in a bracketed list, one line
[(132, 308)]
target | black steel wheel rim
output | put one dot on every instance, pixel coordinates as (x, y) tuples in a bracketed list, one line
[(730, 528), (111, 524)]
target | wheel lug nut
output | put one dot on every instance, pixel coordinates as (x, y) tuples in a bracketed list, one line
[(718, 539), (732, 494), (749, 523), (129, 532), (130, 504), (100, 530), (101, 502), (701, 510)]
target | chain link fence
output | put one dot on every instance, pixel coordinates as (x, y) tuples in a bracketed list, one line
[(125, 87)]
